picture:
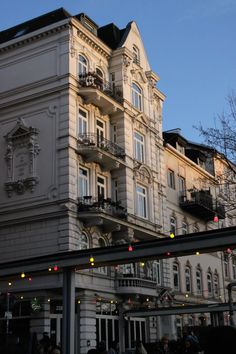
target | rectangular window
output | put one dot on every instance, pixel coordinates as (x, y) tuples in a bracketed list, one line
[(141, 193), (157, 272), (101, 187), (83, 186), (115, 196), (139, 147), (114, 131), (182, 184), (176, 276), (171, 179), (82, 122)]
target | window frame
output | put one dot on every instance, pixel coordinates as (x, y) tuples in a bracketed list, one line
[(216, 285), (82, 65), (188, 279), (82, 121), (171, 178), (137, 96), (173, 225), (141, 210), (176, 276), (82, 181), (198, 278), (82, 242), (157, 272), (209, 284), (182, 184), (101, 185), (136, 55), (139, 146)]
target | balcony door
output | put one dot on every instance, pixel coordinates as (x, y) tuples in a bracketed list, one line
[(101, 187), (100, 130)]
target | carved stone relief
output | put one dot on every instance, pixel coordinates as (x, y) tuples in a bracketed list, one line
[(126, 63), (143, 174), (21, 152)]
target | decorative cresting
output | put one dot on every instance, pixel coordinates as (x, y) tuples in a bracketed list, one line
[(21, 152)]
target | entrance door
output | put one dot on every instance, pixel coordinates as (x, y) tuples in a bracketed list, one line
[(135, 330), (107, 328), (56, 327)]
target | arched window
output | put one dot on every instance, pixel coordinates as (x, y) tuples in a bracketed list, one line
[(137, 96), (209, 284), (216, 285), (83, 242), (188, 279), (176, 283), (83, 65), (199, 281)]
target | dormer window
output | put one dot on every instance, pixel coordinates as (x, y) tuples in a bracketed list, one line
[(83, 65), (136, 55), (180, 148)]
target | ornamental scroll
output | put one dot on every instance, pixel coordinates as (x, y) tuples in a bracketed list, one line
[(21, 152)]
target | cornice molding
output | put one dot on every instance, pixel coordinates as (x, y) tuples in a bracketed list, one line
[(32, 37), (92, 40)]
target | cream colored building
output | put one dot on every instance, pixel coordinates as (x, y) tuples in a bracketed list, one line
[(83, 165), (196, 201)]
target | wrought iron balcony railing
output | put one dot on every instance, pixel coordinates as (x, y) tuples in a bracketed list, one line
[(91, 79), (92, 139), (101, 204), (202, 204)]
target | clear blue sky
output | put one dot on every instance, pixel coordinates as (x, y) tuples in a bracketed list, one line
[(190, 44)]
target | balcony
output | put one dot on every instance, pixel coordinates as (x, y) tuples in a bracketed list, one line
[(95, 148), (128, 284), (101, 93), (201, 204), (101, 212)]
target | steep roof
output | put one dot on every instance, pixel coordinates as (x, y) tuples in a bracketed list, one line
[(111, 35), (34, 24)]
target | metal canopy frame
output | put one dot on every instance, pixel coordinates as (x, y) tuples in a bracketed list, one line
[(189, 244)]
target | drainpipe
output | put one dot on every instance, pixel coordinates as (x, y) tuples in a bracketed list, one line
[(231, 308)]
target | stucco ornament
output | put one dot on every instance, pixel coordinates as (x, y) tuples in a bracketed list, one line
[(126, 64), (21, 152)]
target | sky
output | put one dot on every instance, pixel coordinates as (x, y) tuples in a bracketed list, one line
[(190, 45)]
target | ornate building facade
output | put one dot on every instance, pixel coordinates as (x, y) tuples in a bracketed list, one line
[(84, 165)]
